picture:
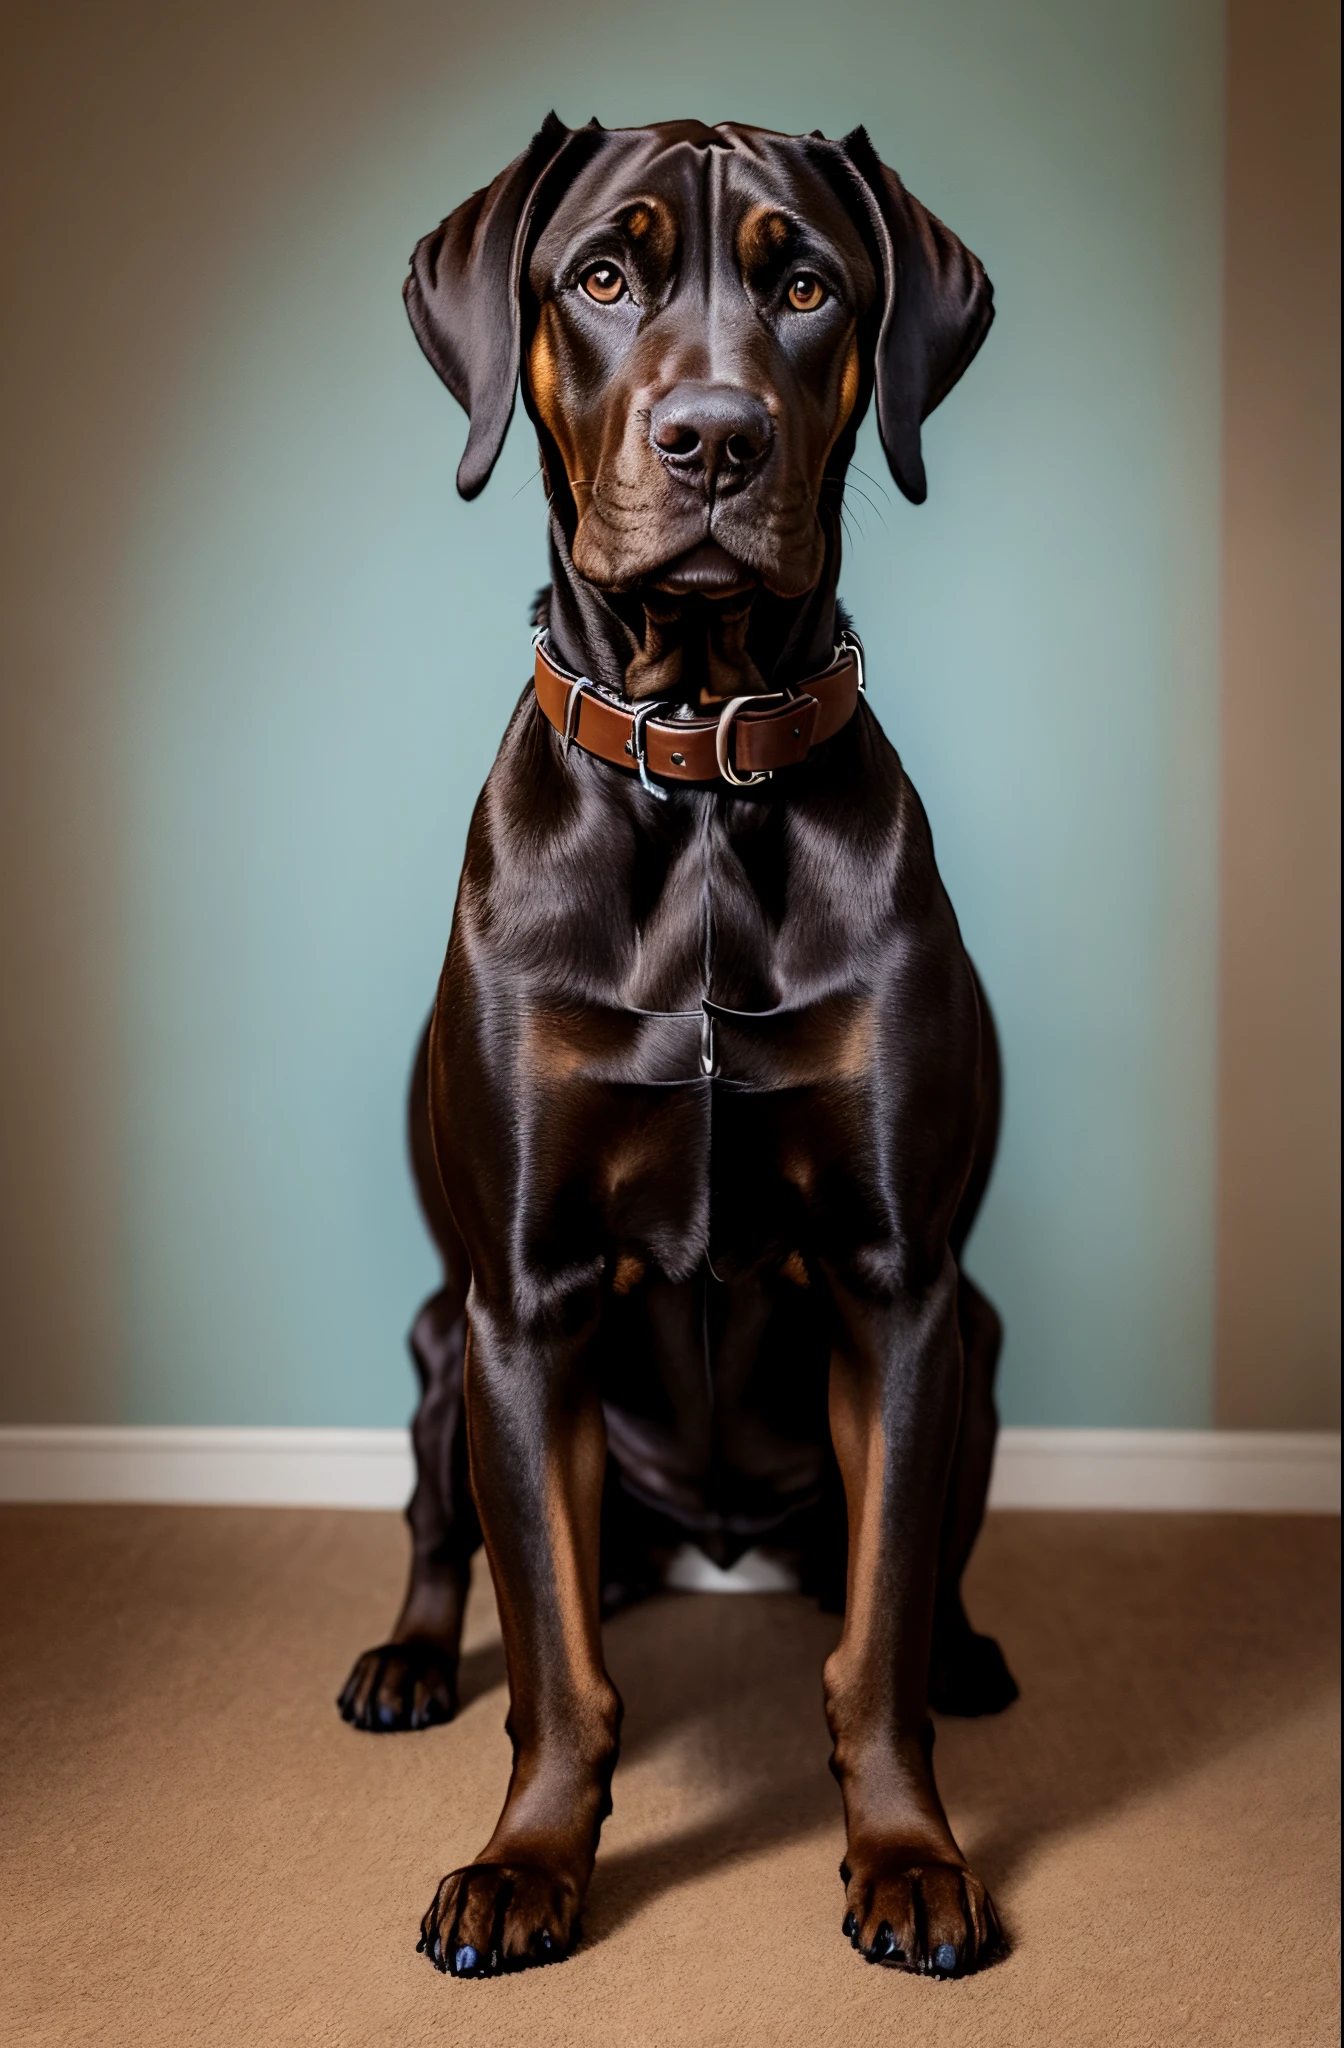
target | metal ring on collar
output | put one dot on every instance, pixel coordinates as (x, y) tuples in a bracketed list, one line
[(850, 643), (723, 740), (639, 745), (573, 706)]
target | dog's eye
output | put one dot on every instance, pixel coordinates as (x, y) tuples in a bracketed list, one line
[(806, 292), (604, 283)]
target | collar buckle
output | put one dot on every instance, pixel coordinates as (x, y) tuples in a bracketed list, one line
[(723, 734)]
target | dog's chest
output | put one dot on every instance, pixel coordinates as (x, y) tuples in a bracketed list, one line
[(706, 1089), (720, 956), (687, 1024)]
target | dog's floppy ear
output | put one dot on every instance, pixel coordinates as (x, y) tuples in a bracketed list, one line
[(938, 309), (462, 293)]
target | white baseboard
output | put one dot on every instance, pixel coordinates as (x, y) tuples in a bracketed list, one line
[(278, 1468), (1229, 1471)]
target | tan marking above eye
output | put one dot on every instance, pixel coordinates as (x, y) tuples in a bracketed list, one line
[(638, 221), (806, 292), (604, 283), (761, 239)]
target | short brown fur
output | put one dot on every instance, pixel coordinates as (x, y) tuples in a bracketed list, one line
[(709, 1095)]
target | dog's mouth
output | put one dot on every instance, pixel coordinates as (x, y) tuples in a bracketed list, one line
[(706, 570)]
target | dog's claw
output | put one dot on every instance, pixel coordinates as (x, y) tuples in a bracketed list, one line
[(849, 1925), (884, 1944), (498, 1918), (935, 1919)]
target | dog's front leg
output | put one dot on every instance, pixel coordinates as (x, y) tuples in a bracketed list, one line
[(894, 1399), (538, 1453)]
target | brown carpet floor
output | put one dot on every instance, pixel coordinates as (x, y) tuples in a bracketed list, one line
[(195, 1849)]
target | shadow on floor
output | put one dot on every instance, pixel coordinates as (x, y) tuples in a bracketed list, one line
[(1145, 1646)]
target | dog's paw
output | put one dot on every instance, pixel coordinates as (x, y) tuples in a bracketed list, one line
[(400, 1685), (493, 1917), (934, 1918), (969, 1675)]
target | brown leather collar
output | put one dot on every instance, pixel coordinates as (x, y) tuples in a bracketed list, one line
[(745, 743)]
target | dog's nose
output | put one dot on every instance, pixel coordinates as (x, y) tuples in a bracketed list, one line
[(705, 433)]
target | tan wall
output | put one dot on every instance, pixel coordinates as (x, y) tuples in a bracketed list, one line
[(1278, 1214), (67, 424), (136, 144)]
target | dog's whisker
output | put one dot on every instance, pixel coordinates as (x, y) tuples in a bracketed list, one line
[(876, 482), (866, 499)]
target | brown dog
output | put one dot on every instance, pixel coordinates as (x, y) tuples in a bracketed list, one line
[(709, 1094)]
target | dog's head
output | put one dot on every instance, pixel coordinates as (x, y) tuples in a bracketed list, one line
[(700, 317)]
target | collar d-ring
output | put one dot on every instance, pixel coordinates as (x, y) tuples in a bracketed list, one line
[(850, 643)]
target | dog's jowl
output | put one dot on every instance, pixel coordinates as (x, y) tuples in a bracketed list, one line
[(709, 1094)]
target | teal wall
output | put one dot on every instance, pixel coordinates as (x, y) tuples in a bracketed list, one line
[(316, 647)]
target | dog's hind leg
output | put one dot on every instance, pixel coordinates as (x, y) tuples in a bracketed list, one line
[(410, 1681), (968, 1674)]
